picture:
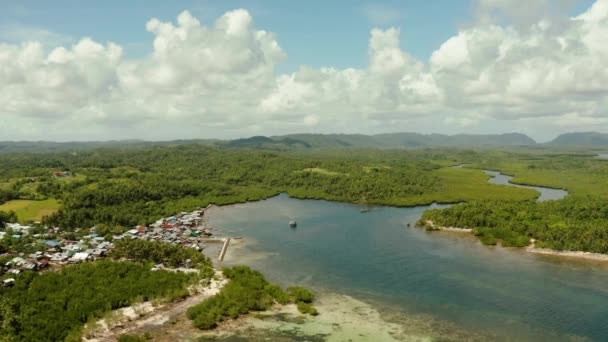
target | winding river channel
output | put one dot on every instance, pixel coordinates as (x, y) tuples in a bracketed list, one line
[(546, 194), (448, 280)]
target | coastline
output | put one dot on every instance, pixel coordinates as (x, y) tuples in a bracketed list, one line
[(262, 219), (341, 318), (566, 254), (430, 223), (532, 247)]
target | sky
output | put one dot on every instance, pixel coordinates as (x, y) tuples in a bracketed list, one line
[(160, 70)]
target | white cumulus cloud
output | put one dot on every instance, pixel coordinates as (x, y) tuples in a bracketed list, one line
[(220, 80)]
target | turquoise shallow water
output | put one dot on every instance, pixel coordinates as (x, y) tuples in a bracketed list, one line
[(505, 293)]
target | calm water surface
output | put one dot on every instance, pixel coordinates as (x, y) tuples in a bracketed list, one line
[(546, 194), (375, 256)]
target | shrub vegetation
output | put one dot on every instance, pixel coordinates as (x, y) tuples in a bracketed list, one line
[(247, 291), (50, 306)]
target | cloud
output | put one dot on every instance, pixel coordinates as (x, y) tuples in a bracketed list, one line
[(62, 82), (219, 80)]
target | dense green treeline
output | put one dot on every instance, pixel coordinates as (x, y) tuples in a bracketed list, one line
[(137, 186), (51, 306), (575, 223), (7, 218), (124, 187), (162, 253), (247, 291)]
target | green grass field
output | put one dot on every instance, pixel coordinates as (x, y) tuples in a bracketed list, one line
[(580, 175), (27, 210), (461, 185), (5, 185)]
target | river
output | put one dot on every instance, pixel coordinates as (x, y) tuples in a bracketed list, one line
[(546, 194), (448, 278)]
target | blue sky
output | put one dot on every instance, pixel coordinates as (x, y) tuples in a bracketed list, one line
[(316, 33), (442, 66)]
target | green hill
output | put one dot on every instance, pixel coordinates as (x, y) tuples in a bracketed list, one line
[(582, 139), (407, 140), (289, 142)]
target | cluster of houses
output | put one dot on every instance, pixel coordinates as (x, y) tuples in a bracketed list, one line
[(16, 229), (56, 252), (186, 228)]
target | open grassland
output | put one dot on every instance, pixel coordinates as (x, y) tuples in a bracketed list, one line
[(28, 210), (6, 185), (461, 185)]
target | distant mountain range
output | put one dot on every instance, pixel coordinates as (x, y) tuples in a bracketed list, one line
[(582, 139), (412, 140), (324, 141), (388, 140)]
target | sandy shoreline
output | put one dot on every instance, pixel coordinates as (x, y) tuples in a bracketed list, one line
[(447, 229), (532, 248), (341, 318), (455, 229), (566, 254)]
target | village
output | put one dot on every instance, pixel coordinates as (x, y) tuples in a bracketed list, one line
[(188, 229)]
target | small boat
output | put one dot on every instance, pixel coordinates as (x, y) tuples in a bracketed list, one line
[(367, 209), (293, 224)]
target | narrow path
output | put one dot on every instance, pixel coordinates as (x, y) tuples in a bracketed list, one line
[(157, 317)]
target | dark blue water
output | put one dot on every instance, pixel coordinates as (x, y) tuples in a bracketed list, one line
[(505, 293)]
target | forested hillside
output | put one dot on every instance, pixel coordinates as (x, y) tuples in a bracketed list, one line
[(289, 142), (123, 187), (582, 139), (406, 140)]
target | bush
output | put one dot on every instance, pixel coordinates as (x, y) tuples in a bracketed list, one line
[(49, 306), (131, 338), (247, 291), (488, 240), (307, 308), (300, 294)]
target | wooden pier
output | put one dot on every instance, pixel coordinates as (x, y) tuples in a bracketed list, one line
[(224, 249)]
